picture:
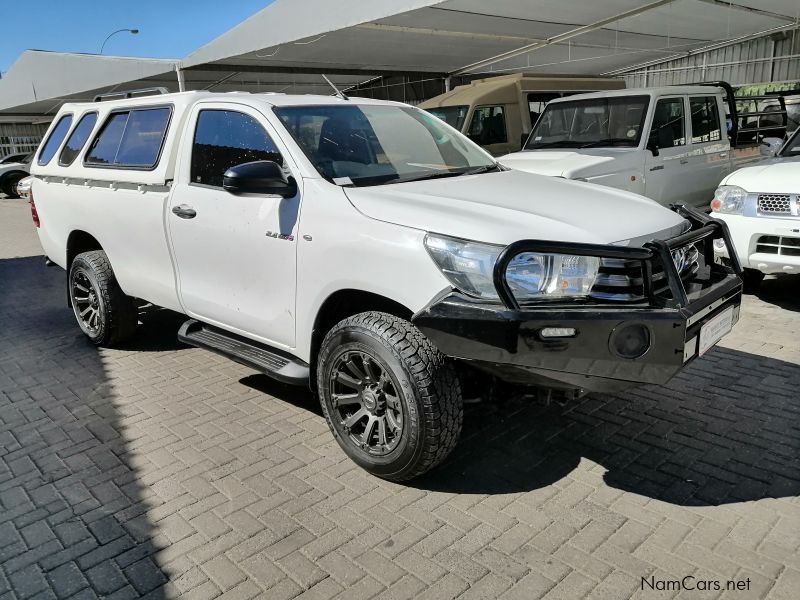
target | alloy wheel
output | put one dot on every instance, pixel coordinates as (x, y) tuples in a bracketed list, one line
[(366, 403), (86, 301)]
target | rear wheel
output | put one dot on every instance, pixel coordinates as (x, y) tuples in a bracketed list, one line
[(391, 399), (104, 313), (10, 182)]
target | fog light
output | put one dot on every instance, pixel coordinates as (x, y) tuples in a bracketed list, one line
[(719, 244), (557, 332), (630, 341)]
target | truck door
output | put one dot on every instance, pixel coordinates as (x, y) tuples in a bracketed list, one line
[(667, 159), (710, 156), (235, 255), (489, 128)]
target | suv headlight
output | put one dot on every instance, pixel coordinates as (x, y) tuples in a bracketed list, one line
[(469, 266), (729, 199)]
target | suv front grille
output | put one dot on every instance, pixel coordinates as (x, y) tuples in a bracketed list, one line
[(774, 204), (622, 280), (774, 244)]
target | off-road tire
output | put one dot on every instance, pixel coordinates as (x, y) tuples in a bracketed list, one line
[(428, 389), (118, 314)]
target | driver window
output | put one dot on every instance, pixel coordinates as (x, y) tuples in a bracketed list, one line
[(669, 127), (488, 126), (224, 139)]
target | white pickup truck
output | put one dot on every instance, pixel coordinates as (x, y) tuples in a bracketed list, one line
[(373, 252), (761, 207), (671, 144)]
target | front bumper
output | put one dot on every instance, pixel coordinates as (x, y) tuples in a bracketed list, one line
[(780, 250), (506, 339)]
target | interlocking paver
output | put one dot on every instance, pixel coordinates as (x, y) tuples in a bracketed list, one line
[(163, 471)]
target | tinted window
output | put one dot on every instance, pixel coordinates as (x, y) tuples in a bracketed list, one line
[(668, 128), (144, 134), (54, 141), (224, 139), (77, 139), (104, 148), (131, 139), (705, 119), (488, 126)]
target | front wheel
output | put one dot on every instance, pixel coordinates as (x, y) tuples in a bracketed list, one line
[(391, 399), (105, 314)]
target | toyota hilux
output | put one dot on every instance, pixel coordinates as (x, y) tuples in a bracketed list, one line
[(370, 251)]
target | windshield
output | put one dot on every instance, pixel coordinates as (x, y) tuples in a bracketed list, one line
[(792, 147), (374, 144), (593, 123), (452, 115)]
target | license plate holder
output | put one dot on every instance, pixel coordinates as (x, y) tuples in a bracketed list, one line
[(714, 330)]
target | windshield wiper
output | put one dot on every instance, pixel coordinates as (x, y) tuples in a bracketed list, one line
[(607, 142), (442, 174), (484, 169)]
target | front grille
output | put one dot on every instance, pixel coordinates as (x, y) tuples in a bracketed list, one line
[(775, 244), (774, 204), (623, 280)]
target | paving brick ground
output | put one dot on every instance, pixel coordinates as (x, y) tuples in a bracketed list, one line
[(164, 471)]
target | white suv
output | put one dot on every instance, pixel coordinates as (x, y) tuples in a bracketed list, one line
[(373, 252)]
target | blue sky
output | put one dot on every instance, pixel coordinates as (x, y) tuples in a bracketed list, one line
[(168, 28)]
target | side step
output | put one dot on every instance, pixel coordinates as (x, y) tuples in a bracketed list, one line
[(258, 356)]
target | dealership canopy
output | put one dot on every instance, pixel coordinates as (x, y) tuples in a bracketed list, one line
[(285, 46)]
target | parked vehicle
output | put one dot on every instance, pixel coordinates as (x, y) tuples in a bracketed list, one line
[(24, 187), (498, 113), (369, 250), (11, 173), (761, 206), (13, 158), (671, 144)]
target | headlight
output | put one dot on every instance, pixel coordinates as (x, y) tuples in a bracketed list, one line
[(469, 266), (729, 199)]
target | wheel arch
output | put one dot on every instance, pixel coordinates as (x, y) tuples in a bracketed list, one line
[(345, 303), (79, 241)]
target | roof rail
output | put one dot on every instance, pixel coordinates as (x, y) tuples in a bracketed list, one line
[(152, 91)]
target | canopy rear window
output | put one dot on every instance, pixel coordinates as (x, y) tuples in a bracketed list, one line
[(130, 139)]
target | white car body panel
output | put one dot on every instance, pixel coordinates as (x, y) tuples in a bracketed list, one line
[(224, 269), (500, 208)]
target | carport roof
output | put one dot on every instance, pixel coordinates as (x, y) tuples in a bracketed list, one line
[(286, 46), (478, 36)]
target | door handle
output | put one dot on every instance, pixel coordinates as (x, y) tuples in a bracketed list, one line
[(723, 154), (184, 211), (684, 161)]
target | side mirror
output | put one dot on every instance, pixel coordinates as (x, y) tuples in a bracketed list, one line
[(770, 145), (653, 147), (259, 177)]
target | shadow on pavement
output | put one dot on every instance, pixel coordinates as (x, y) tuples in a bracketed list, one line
[(72, 516), (725, 430), (782, 291)]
